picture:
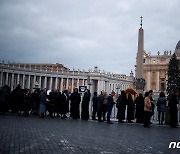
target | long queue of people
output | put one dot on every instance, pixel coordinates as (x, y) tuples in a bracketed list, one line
[(144, 108), (41, 103), (55, 103)]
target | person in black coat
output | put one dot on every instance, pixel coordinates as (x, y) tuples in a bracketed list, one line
[(139, 101), (75, 99), (27, 102), (3, 99), (19, 99), (58, 104), (121, 105), (100, 106), (110, 106), (85, 105), (95, 102), (172, 105), (54, 102), (130, 109), (51, 103), (35, 100), (64, 104)]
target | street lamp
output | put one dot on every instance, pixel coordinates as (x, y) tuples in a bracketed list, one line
[(118, 86), (89, 82)]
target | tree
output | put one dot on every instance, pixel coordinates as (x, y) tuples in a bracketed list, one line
[(173, 75)]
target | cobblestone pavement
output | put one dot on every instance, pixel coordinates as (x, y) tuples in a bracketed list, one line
[(68, 136)]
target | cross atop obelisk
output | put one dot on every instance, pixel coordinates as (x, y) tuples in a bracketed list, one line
[(141, 20)]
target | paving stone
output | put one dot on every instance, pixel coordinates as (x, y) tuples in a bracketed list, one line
[(68, 136)]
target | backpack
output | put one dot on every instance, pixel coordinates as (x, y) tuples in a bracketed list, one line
[(106, 101)]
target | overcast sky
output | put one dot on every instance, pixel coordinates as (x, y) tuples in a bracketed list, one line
[(82, 34)]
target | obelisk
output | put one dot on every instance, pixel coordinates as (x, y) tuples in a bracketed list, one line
[(140, 53)]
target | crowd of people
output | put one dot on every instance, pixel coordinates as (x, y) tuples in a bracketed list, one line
[(60, 104)]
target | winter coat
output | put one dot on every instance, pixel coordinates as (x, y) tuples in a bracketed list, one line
[(3, 95), (43, 98), (100, 103), (161, 104), (95, 101), (173, 101), (85, 101), (147, 105)]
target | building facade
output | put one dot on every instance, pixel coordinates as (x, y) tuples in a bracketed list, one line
[(155, 68), (155, 71), (56, 76)]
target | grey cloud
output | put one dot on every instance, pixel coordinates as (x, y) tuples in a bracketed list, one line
[(83, 34)]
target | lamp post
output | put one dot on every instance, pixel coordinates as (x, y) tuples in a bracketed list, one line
[(89, 86), (89, 82), (117, 88)]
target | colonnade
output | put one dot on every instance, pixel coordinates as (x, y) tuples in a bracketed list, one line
[(34, 78), (31, 81)]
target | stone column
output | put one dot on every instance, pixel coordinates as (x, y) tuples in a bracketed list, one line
[(56, 82), (23, 80), (67, 83), (17, 79), (78, 83), (107, 87), (12, 81), (157, 86), (34, 81), (148, 82), (45, 82), (72, 87), (29, 81), (99, 87), (112, 87), (40, 82), (83, 82), (1, 79), (50, 83), (61, 89), (103, 83), (7, 78)]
